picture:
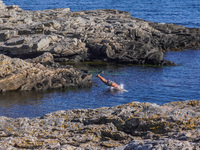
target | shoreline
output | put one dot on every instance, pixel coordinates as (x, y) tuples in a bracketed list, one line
[(59, 35), (102, 35), (106, 35), (129, 126)]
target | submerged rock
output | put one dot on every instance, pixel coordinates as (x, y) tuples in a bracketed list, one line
[(40, 73), (135, 125), (106, 35)]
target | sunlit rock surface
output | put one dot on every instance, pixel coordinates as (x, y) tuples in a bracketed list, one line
[(105, 35), (134, 125), (40, 73), (97, 35)]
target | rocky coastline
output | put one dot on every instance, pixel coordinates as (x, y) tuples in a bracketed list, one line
[(40, 73), (96, 35), (132, 126), (31, 44)]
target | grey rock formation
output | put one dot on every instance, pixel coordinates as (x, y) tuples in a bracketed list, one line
[(40, 73), (2, 5), (161, 144), (106, 35), (137, 126)]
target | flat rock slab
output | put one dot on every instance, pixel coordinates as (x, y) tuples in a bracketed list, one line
[(134, 125), (103, 35)]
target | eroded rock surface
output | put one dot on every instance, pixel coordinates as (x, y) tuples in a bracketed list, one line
[(135, 125), (40, 73), (106, 35)]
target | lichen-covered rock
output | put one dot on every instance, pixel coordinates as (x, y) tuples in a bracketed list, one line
[(40, 73), (167, 144), (134, 125), (106, 35), (45, 59), (2, 5)]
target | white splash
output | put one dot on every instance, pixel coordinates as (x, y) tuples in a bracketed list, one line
[(120, 88)]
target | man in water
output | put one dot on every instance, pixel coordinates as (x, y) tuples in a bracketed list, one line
[(108, 82)]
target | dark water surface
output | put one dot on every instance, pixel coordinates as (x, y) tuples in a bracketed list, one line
[(144, 84)]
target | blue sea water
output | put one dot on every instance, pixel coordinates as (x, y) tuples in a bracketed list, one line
[(144, 84)]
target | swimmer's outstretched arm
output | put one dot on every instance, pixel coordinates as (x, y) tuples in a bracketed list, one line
[(105, 81), (102, 79)]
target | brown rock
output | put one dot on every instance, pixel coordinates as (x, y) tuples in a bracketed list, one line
[(16, 74)]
